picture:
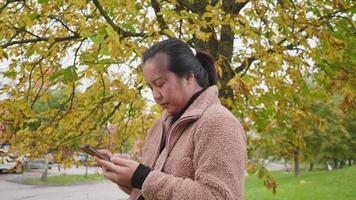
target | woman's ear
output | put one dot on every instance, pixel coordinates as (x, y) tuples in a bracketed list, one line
[(190, 78)]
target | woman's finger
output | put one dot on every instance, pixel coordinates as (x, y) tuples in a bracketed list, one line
[(111, 175), (120, 161), (110, 166), (106, 152), (122, 155), (115, 173)]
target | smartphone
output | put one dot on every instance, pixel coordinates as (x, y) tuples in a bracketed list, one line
[(93, 152)]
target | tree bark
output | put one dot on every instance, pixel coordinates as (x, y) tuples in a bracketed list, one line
[(296, 162), (45, 170), (311, 166), (226, 46), (86, 165), (335, 163), (222, 50)]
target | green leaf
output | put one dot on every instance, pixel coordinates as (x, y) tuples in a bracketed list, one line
[(85, 34), (70, 74), (30, 52), (105, 49), (129, 27), (97, 39), (33, 15), (10, 74), (56, 74), (100, 68), (42, 1)]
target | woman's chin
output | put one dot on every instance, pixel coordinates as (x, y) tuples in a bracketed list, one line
[(168, 109)]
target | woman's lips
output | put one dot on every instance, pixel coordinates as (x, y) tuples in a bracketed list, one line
[(164, 105)]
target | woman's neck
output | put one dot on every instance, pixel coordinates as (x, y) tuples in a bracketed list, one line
[(176, 116)]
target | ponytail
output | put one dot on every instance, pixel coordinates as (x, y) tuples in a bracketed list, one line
[(184, 60), (207, 63)]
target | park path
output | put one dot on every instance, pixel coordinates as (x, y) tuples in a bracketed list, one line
[(90, 191)]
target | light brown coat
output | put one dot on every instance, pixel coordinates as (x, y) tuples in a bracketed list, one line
[(204, 157)]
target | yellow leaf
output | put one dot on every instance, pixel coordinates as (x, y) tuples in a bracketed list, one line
[(209, 8), (218, 70), (169, 32), (202, 35), (51, 39)]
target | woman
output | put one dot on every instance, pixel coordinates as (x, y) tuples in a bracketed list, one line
[(197, 149)]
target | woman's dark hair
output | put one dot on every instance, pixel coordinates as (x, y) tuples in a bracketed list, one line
[(183, 62)]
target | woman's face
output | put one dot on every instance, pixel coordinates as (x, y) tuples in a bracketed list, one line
[(169, 90)]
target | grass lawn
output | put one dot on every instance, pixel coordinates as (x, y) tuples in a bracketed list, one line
[(338, 184), (63, 180)]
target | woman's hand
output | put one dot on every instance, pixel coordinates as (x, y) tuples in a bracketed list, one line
[(119, 170)]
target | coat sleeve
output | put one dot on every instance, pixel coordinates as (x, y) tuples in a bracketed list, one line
[(219, 163), (125, 189)]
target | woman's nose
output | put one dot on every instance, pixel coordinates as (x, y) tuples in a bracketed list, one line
[(157, 95)]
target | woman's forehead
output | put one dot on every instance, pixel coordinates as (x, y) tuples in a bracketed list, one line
[(161, 60), (156, 66)]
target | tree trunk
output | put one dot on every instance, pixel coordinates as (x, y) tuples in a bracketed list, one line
[(86, 169), (45, 170), (335, 163), (226, 51), (222, 50), (86, 165), (311, 166), (296, 163), (64, 171), (306, 166)]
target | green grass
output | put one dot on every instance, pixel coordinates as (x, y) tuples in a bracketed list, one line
[(62, 180), (338, 184), (324, 185)]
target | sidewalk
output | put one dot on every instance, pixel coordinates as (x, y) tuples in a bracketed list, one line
[(88, 191), (72, 170)]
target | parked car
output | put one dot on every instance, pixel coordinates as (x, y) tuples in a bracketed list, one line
[(38, 164), (12, 164)]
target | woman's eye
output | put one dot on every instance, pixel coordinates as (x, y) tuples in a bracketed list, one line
[(160, 85)]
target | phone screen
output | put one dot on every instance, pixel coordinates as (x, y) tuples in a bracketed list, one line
[(93, 152)]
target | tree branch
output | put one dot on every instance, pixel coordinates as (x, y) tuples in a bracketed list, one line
[(7, 3), (232, 7), (103, 101), (113, 25), (77, 51), (245, 66), (196, 7), (328, 16), (41, 39), (63, 24), (41, 87), (111, 113), (62, 106), (155, 5)]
